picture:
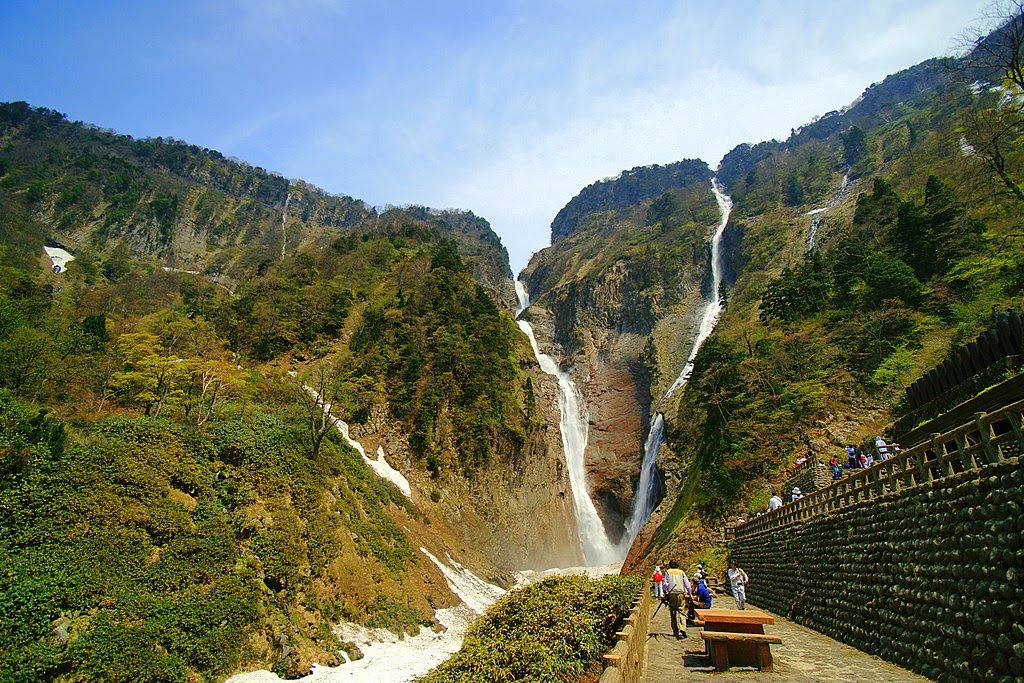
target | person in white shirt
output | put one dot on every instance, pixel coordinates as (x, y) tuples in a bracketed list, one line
[(775, 502), (883, 448), (738, 580), (678, 590), (797, 495)]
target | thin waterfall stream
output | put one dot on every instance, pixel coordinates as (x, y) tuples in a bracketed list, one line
[(597, 549), (645, 496)]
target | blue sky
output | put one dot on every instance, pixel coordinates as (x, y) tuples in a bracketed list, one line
[(506, 108)]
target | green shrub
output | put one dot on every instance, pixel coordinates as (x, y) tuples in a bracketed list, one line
[(555, 630)]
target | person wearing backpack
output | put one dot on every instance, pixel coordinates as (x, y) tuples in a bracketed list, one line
[(678, 590)]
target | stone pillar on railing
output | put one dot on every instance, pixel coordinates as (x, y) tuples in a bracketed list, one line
[(985, 430)]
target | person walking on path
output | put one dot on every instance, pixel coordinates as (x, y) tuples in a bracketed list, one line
[(678, 590), (738, 580), (775, 502), (658, 577)]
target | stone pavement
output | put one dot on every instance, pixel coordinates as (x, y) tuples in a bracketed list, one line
[(805, 656)]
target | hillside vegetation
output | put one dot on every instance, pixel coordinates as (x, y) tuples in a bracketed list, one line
[(107, 197), (549, 632), (172, 505), (908, 263)]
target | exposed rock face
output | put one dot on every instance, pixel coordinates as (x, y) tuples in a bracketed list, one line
[(517, 514), (619, 333), (617, 399)]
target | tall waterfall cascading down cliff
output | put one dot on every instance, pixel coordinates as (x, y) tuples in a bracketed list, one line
[(645, 496), (597, 549)]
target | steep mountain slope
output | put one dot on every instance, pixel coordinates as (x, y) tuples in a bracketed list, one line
[(103, 196), (621, 288), (859, 252), (869, 251), (173, 504)]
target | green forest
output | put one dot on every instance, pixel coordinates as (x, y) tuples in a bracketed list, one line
[(171, 507)]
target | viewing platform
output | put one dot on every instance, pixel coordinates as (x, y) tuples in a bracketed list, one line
[(804, 656)]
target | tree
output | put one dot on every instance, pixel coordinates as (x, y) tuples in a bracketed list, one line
[(213, 384), (993, 144), (316, 394), (997, 55), (662, 208), (855, 146), (25, 359), (993, 134), (150, 376), (932, 237)]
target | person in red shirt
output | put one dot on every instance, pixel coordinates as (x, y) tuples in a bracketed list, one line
[(658, 578)]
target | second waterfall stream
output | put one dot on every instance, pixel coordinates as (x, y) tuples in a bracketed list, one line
[(645, 496), (597, 548)]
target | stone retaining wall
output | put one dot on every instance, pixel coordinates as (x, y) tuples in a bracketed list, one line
[(927, 576), (809, 477), (625, 662)]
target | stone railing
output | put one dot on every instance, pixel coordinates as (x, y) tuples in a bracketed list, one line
[(988, 439), (625, 662)]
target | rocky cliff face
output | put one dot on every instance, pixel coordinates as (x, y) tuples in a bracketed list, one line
[(622, 310), (512, 516), (629, 189), (108, 196)]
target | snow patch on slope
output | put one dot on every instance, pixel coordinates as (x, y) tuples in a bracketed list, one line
[(381, 466), (59, 258), (388, 657)]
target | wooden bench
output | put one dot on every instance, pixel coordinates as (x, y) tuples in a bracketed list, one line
[(722, 643)]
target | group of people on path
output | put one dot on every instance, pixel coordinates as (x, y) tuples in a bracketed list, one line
[(856, 458), (676, 590)]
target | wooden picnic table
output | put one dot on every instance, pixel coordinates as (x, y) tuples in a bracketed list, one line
[(735, 620), (736, 637)]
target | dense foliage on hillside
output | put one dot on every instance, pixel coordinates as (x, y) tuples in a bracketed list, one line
[(817, 344), (143, 549), (170, 508), (548, 632)]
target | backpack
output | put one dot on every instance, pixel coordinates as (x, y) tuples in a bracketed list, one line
[(658, 577)]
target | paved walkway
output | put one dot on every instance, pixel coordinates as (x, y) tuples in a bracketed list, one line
[(803, 657)]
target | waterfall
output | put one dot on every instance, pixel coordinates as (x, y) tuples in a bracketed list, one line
[(812, 235), (647, 489), (714, 306), (284, 219), (597, 549)]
